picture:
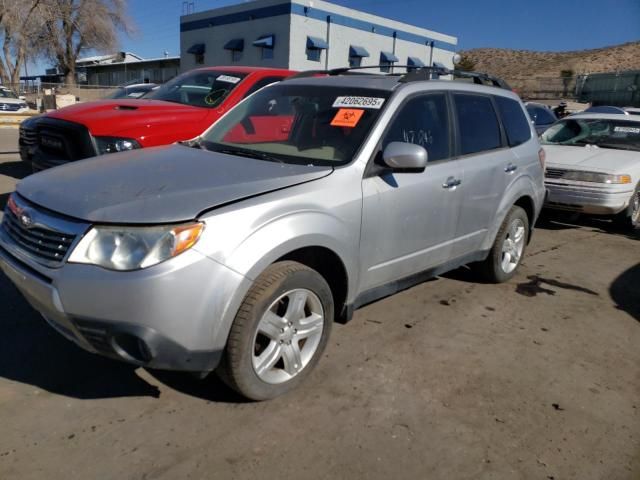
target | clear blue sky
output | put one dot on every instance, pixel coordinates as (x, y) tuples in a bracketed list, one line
[(550, 25)]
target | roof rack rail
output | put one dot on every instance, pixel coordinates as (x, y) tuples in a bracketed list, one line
[(413, 74)]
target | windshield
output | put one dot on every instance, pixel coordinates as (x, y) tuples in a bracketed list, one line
[(605, 133), (202, 88), (7, 93), (300, 124)]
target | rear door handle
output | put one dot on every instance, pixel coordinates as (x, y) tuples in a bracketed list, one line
[(510, 168), (451, 183)]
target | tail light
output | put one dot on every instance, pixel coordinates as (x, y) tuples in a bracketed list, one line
[(542, 156)]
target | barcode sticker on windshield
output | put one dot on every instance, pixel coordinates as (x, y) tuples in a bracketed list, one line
[(359, 102), (626, 129), (228, 79)]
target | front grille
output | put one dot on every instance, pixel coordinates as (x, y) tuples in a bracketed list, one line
[(10, 107), (40, 243), (28, 137), (61, 141), (554, 173)]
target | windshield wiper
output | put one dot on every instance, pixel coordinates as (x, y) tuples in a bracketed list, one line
[(241, 152)]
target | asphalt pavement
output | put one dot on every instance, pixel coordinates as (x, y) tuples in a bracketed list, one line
[(538, 378)]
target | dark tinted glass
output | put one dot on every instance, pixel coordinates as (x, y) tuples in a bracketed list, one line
[(514, 120), (540, 116), (423, 121), (262, 83), (477, 123)]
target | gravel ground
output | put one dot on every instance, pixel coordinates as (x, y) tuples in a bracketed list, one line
[(538, 378)]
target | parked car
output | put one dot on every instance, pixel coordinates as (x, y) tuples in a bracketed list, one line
[(179, 110), (135, 90), (593, 166), (541, 116), (11, 103), (312, 198), (632, 110)]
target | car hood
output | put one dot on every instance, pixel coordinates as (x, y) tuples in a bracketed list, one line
[(158, 185), (111, 117), (594, 159)]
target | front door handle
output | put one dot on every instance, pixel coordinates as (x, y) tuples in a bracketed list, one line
[(451, 183), (510, 168)]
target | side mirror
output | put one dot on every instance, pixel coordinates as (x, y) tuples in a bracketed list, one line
[(405, 156)]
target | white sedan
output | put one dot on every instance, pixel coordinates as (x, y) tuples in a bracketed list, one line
[(593, 166)]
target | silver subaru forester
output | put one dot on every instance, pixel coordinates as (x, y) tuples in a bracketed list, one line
[(238, 250)]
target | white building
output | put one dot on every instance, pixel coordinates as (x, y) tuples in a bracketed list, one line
[(305, 35)]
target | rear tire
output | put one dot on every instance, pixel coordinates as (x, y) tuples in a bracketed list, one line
[(629, 219), (508, 248), (279, 333)]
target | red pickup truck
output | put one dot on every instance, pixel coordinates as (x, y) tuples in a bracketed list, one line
[(179, 110)]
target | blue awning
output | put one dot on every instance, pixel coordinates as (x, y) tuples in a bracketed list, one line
[(415, 62), (266, 41), (196, 49), (388, 57), (356, 51), (235, 44), (316, 43)]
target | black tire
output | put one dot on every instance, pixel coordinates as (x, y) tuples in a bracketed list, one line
[(236, 368), (491, 268), (629, 219)]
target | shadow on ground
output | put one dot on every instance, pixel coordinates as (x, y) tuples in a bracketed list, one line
[(566, 221), (625, 291), (17, 170), (32, 353)]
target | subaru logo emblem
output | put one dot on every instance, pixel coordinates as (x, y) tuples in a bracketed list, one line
[(25, 219)]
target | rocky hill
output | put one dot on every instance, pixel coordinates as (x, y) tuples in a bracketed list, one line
[(519, 63)]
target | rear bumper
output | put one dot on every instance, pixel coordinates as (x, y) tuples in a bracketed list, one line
[(585, 199), (166, 317)]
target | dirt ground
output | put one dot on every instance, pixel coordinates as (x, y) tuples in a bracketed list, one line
[(538, 378)]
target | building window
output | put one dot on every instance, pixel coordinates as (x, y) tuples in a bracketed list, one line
[(199, 59), (385, 67), (266, 43), (387, 59), (314, 54), (236, 55), (355, 62), (356, 54), (315, 45)]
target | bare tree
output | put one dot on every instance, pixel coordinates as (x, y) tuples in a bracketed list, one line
[(19, 23), (72, 25)]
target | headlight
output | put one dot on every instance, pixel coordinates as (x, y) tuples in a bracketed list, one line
[(596, 177), (133, 248), (114, 144)]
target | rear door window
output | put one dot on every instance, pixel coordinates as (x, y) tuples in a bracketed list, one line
[(514, 120), (478, 125), (424, 121)]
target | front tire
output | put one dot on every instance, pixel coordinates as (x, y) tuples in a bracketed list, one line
[(508, 248), (279, 333)]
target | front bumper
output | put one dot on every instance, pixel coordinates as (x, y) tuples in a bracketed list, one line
[(167, 317), (586, 198)]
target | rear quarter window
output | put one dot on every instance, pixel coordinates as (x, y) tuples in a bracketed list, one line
[(478, 125), (514, 120)]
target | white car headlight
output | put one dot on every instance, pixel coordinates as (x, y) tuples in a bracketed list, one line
[(115, 144), (596, 177), (133, 248)]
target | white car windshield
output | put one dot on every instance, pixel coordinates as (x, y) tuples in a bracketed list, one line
[(4, 93), (604, 133), (299, 124)]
